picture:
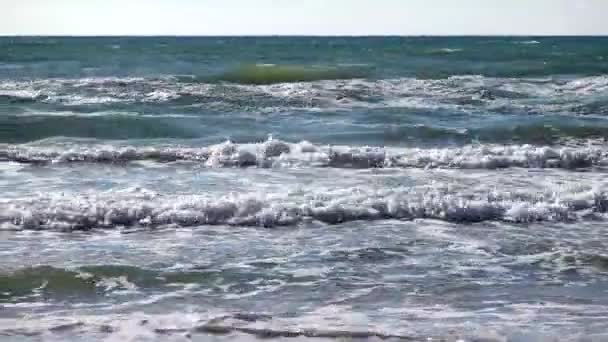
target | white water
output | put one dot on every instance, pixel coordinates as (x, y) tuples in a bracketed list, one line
[(281, 154), (462, 93)]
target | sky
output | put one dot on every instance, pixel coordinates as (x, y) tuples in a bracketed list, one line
[(303, 17)]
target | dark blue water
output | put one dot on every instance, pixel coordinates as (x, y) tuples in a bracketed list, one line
[(303, 188)]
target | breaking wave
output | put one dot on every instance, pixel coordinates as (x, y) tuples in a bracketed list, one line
[(263, 88), (148, 209), (280, 154), (528, 42), (241, 326)]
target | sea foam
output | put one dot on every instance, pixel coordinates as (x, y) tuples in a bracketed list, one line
[(140, 208), (276, 88), (281, 154)]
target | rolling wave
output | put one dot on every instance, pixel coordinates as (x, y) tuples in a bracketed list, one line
[(491, 150), (280, 154), (527, 42), (147, 209), (377, 128), (283, 88), (239, 326), (56, 282), (34, 127), (94, 280)]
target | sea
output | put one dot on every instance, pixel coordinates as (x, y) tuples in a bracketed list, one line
[(304, 189)]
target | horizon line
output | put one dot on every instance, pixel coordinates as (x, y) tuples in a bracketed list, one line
[(10, 35)]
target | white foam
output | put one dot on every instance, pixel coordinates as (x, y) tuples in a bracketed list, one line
[(497, 156), (277, 153), (528, 42), (466, 93), (332, 322), (587, 85), (450, 50), (138, 208), (21, 93)]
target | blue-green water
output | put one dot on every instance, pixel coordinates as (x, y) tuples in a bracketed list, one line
[(303, 188)]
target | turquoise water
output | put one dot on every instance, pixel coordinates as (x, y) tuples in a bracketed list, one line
[(303, 188)]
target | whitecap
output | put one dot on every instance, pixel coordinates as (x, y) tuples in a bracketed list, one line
[(281, 154), (115, 209), (463, 93), (528, 42)]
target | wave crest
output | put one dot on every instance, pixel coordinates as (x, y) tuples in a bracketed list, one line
[(147, 209), (275, 88), (281, 154)]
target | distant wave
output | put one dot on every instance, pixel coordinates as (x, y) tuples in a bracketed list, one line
[(166, 107), (276, 153), (313, 89), (28, 127), (528, 42), (538, 130), (270, 74), (19, 99), (447, 50)]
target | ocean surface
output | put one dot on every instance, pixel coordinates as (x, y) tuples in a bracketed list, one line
[(322, 189)]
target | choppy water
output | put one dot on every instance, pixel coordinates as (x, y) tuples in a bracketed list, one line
[(303, 188)]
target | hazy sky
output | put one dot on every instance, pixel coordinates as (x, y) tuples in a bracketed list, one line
[(313, 17)]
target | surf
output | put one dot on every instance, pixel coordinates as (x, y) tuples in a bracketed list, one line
[(282, 154)]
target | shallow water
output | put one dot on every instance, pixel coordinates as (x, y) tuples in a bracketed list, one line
[(303, 188)]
